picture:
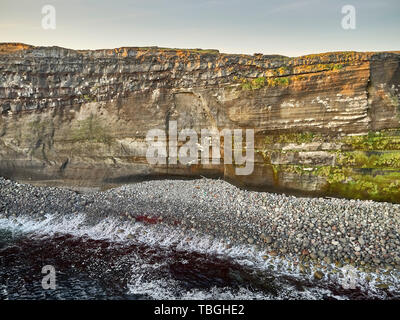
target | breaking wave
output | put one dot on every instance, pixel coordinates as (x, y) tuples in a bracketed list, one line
[(116, 259)]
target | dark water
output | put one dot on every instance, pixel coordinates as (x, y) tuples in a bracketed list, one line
[(99, 269), (89, 268)]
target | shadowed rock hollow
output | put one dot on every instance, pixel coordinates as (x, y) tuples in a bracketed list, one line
[(325, 124)]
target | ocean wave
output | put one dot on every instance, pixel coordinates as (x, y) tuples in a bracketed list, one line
[(152, 280)]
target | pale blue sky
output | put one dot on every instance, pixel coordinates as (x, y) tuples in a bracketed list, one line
[(271, 26)]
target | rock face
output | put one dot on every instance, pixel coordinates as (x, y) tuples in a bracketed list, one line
[(326, 124)]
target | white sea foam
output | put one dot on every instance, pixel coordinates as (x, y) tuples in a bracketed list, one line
[(166, 237)]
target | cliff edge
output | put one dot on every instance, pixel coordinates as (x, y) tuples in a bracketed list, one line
[(325, 124)]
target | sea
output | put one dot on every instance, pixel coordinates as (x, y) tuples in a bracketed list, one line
[(138, 261)]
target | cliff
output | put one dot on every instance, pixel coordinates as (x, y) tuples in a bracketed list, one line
[(325, 124)]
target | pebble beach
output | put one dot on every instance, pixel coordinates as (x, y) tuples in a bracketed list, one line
[(364, 234)]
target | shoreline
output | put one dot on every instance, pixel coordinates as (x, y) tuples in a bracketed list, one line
[(315, 235)]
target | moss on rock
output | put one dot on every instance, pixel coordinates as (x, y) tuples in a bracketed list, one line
[(365, 167), (91, 129)]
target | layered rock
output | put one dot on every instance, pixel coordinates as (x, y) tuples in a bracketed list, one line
[(324, 124)]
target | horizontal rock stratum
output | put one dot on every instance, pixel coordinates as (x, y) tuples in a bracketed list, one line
[(325, 124)]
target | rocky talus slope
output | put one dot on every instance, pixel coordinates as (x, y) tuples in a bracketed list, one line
[(325, 124)]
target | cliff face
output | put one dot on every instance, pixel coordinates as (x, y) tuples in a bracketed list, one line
[(324, 124)]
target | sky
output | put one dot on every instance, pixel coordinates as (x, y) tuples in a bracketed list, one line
[(286, 27)]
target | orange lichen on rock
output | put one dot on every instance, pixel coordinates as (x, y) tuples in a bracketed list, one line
[(8, 47)]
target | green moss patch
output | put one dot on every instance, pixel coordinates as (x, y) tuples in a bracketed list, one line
[(366, 167), (370, 159), (297, 138), (91, 129), (258, 83), (381, 140), (376, 185)]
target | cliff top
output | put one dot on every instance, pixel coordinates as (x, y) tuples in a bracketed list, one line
[(187, 56), (11, 47)]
